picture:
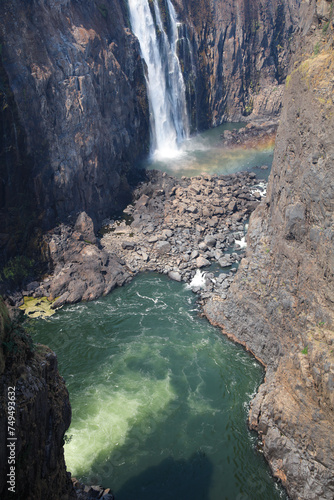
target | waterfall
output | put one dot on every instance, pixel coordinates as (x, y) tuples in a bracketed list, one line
[(165, 85)]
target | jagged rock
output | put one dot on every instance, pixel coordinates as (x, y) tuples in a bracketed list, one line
[(39, 390), (194, 254), (85, 226)]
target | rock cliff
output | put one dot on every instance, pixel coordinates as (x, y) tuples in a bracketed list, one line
[(34, 398), (74, 106), (281, 303), (236, 56)]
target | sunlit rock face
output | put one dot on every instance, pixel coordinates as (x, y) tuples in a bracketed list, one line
[(281, 303), (74, 95), (78, 104)]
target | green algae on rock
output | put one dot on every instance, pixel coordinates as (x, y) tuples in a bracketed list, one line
[(38, 308)]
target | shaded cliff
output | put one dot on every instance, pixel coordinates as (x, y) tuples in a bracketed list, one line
[(75, 112), (38, 418), (236, 56), (281, 305)]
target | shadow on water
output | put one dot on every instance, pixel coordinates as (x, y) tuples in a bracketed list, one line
[(187, 479)]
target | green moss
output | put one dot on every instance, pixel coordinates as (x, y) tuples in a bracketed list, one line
[(249, 108), (305, 350), (17, 269), (325, 27), (37, 308), (103, 10)]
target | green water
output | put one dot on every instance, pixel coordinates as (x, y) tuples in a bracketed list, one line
[(159, 397), (204, 153)]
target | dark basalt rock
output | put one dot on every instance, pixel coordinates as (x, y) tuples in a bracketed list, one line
[(74, 88)]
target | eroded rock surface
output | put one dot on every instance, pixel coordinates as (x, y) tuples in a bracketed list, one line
[(74, 88), (42, 414), (174, 226), (236, 56), (281, 304)]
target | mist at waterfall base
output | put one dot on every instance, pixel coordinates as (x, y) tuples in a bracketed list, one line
[(205, 153), (159, 397)]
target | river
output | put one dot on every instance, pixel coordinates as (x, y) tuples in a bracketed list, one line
[(204, 153), (159, 397)]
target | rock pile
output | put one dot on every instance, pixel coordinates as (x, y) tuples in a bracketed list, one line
[(253, 134), (177, 226), (174, 226)]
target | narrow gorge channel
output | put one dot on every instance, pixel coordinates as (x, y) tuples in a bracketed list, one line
[(159, 397)]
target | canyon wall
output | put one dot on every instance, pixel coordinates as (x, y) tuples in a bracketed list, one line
[(281, 305), (74, 109), (74, 119), (29, 378), (236, 57)]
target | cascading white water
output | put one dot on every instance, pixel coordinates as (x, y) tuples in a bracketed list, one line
[(166, 89)]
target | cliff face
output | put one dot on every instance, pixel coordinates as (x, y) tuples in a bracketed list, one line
[(236, 56), (281, 305), (74, 105), (72, 79), (41, 414)]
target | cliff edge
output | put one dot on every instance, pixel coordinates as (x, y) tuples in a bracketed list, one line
[(33, 398), (281, 304)]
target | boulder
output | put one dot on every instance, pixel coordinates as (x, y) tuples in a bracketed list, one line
[(202, 262), (84, 225), (174, 275), (128, 245), (163, 247), (210, 241)]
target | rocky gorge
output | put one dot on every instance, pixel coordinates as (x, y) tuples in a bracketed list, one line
[(170, 228), (280, 302)]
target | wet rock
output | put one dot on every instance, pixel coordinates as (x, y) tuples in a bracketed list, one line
[(175, 275), (225, 261)]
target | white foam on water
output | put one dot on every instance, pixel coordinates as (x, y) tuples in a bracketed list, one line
[(242, 243), (110, 414), (198, 280)]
